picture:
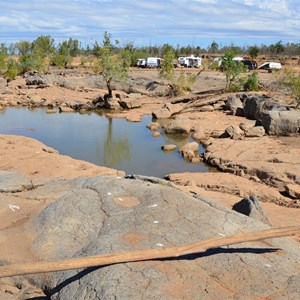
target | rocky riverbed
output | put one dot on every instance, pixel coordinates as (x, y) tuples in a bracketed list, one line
[(55, 207)]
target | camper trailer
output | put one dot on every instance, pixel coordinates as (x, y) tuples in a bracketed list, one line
[(190, 61), (153, 62), (141, 63)]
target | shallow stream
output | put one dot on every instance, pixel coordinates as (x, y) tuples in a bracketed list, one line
[(93, 137)]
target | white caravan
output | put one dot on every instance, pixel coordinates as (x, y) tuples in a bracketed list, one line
[(190, 61), (153, 62)]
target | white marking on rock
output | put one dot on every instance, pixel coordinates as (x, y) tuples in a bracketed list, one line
[(159, 244), (121, 199), (155, 222), (109, 193), (154, 205), (267, 265), (14, 207), (221, 234)]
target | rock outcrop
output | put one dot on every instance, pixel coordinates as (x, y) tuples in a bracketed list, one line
[(111, 214)]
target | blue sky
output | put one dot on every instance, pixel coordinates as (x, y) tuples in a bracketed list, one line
[(153, 22)]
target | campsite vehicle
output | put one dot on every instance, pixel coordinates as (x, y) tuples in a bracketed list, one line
[(190, 61), (249, 64), (153, 62), (141, 63), (270, 66)]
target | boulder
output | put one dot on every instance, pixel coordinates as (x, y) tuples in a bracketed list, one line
[(232, 131), (281, 122), (174, 108), (129, 103), (206, 108), (189, 147), (179, 126), (156, 134), (256, 131), (169, 147), (235, 105), (254, 107), (153, 126), (189, 155), (250, 207), (293, 191), (162, 113), (34, 78), (199, 135), (64, 109), (112, 103)]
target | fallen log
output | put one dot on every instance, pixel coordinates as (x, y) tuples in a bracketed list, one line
[(142, 255)]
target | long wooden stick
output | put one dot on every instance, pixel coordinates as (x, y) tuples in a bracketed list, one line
[(142, 255)]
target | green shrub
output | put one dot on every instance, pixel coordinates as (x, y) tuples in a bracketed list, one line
[(61, 60), (31, 62), (251, 82), (12, 69), (292, 82)]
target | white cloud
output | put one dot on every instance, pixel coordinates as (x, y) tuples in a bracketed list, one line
[(155, 21)]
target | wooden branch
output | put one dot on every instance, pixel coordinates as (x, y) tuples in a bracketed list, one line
[(142, 255)]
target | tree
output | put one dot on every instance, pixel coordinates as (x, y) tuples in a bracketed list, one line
[(167, 65), (23, 47), (253, 52), (43, 46), (111, 67), (214, 47), (231, 68)]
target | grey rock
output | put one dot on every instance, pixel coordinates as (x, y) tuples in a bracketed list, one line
[(14, 182), (250, 207), (281, 122), (235, 106), (254, 107), (90, 216)]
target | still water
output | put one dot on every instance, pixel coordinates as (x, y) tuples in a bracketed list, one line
[(113, 143)]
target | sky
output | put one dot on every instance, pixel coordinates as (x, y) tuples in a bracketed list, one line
[(153, 22)]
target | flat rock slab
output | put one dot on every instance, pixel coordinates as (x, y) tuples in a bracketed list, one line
[(109, 214), (13, 182)]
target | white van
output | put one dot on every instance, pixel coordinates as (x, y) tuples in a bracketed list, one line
[(153, 62)]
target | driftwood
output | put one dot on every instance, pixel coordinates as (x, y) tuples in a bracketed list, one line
[(142, 255)]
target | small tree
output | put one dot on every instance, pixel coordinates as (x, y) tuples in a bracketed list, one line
[(292, 82), (111, 67), (43, 46), (253, 52), (232, 69), (178, 84), (167, 65)]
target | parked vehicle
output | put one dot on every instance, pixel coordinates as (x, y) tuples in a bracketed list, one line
[(153, 62), (190, 61), (249, 64), (141, 63), (270, 66)]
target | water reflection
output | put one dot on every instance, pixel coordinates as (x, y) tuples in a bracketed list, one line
[(114, 143), (115, 151)]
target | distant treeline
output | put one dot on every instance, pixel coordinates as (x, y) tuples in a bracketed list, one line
[(44, 51), (46, 45)]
